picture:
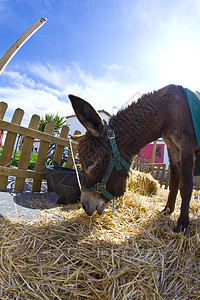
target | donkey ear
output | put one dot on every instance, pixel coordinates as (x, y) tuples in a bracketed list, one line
[(87, 115)]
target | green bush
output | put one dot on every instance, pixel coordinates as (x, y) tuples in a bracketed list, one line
[(33, 160), (16, 156)]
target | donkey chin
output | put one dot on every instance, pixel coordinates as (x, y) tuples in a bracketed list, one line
[(92, 201)]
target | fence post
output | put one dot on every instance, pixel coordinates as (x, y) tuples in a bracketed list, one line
[(168, 178), (3, 108), (25, 154), (70, 163), (59, 148), (8, 147), (162, 175), (153, 152), (42, 153), (157, 172)]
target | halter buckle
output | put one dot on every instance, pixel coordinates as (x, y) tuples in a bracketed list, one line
[(99, 185), (110, 134)]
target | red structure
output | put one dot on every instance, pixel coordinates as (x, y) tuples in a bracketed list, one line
[(146, 153)]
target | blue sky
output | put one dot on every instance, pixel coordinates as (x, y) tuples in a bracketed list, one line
[(105, 51)]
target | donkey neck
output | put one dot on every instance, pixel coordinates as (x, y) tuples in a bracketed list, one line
[(137, 125)]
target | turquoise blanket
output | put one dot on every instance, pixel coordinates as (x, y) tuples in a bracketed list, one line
[(194, 104)]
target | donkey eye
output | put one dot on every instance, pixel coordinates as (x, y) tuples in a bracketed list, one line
[(89, 163)]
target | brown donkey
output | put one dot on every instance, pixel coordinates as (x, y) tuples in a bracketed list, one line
[(164, 113)]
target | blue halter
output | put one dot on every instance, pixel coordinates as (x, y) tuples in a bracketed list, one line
[(117, 161)]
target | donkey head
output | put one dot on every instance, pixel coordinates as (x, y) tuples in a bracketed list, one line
[(94, 155)]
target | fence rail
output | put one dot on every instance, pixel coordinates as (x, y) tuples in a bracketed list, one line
[(160, 172), (31, 133)]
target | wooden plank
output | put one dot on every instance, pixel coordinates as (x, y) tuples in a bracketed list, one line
[(8, 147), (19, 43), (59, 148), (33, 133), (168, 178), (25, 154), (157, 172), (151, 169), (162, 175), (153, 152), (42, 153), (70, 162), (3, 108), (138, 163), (7, 171)]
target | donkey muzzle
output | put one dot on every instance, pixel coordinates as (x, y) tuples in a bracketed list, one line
[(92, 201)]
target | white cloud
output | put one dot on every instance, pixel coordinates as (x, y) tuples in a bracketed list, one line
[(54, 76), (45, 90), (18, 79), (32, 102), (114, 87)]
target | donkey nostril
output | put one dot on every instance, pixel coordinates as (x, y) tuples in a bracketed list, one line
[(84, 207)]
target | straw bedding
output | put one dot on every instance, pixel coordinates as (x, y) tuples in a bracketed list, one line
[(129, 254)]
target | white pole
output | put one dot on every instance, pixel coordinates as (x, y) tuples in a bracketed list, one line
[(19, 43)]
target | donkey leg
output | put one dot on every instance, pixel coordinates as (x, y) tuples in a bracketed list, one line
[(186, 187), (174, 158), (173, 189)]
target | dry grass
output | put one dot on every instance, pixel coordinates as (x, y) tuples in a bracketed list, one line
[(129, 254), (142, 183)]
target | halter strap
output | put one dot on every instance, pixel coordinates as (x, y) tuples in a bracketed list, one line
[(117, 161)]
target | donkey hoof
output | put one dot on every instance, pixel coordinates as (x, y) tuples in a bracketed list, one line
[(181, 226)]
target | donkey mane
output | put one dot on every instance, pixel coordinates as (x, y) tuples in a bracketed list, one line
[(132, 123)]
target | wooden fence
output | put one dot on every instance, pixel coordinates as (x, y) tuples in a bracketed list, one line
[(21, 172), (160, 172)]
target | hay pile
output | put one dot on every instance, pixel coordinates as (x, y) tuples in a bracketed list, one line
[(131, 254), (142, 183)]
